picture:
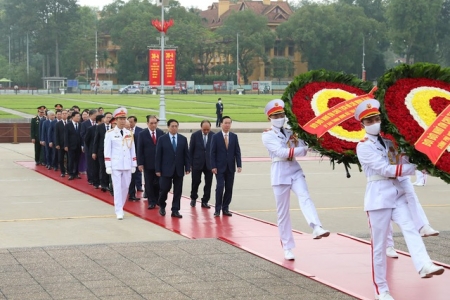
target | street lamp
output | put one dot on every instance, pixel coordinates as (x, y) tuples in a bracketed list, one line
[(9, 58), (162, 99), (363, 75), (238, 72)]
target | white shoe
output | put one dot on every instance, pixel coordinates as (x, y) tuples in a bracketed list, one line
[(431, 269), (319, 233), (390, 252), (426, 230), (418, 184), (119, 217), (384, 296), (288, 255)]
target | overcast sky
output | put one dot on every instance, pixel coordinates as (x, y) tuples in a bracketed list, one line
[(202, 4)]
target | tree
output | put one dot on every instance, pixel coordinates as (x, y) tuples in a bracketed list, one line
[(336, 42), (254, 38), (413, 28), (281, 67), (443, 34)]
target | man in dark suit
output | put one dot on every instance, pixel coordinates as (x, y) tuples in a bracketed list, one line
[(72, 144), (136, 177), (59, 142), (51, 151), (84, 128), (34, 127), (44, 136), (89, 142), (171, 164), (225, 155), (199, 153), (219, 112), (98, 150), (146, 153)]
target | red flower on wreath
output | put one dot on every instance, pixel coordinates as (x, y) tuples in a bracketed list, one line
[(316, 97), (412, 104)]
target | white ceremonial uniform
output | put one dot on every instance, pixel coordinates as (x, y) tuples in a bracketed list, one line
[(120, 156), (287, 175), (385, 200)]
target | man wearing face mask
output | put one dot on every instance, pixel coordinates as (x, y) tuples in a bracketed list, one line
[(287, 175), (386, 200)]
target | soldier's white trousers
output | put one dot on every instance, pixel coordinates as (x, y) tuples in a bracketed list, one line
[(121, 182), (282, 197), (379, 223)]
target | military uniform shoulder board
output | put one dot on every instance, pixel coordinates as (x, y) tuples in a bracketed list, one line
[(268, 129), (364, 139), (112, 129)]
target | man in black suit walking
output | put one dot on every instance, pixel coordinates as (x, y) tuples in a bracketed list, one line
[(72, 144), (219, 112), (136, 177), (89, 143), (98, 150), (35, 139), (146, 153), (171, 164), (59, 142), (225, 155), (84, 128), (199, 152)]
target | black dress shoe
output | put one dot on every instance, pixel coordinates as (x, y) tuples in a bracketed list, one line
[(55, 169), (205, 205), (90, 183), (78, 177), (140, 190), (217, 214), (193, 202), (227, 213), (176, 214), (63, 175), (71, 178), (133, 198), (104, 189), (151, 206), (162, 211), (96, 187), (144, 195)]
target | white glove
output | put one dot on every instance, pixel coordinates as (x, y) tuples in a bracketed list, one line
[(108, 171), (133, 169)]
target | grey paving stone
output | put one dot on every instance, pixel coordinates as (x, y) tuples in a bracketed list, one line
[(113, 291), (171, 296), (16, 281), (102, 283), (25, 296), (22, 289), (129, 297), (11, 268), (94, 276), (55, 279), (177, 279)]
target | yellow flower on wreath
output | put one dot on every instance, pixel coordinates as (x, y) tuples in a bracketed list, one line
[(319, 105), (418, 103)]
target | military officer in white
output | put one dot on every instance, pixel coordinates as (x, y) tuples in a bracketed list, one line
[(120, 159), (287, 175), (385, 200)]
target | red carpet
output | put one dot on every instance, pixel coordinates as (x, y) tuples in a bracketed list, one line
[(339, 261)]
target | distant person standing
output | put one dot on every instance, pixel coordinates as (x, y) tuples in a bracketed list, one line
[(35, 139), (120, 159), (72, 144), (89, 140), (199, 150), (98, 150), (59, 142), (136, 178), (219, 112), (225, 156)]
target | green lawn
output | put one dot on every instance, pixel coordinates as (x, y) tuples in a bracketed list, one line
[(184, 108)]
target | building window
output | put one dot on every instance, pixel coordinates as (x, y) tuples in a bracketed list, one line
[(278, 49), (291, 50)]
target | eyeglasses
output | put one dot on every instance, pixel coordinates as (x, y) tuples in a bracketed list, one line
[(151, 123)]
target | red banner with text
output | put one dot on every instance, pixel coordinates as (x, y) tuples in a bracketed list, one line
[(154, 68)]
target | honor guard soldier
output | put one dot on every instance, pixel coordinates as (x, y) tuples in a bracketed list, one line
[(120, 159), (385, 200), (287, 175)]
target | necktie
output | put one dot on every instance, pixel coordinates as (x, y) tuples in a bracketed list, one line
[(381, 142), (153, 137), (204, 140), (226, 141), (107, 127), (282, 131), (174, 145), (76, 126), (121, 132), (64, 123)]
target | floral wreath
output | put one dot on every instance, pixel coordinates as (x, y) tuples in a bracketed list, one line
[(411, 97), (313, 93)]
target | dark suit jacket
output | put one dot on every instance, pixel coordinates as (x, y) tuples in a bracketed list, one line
[(44, 131), (146, 149), (72, 138), (223, 158), (51, 132), (169, 162), (41, 123), (198, 153), (99, 139), (89, 138), (219, 108), (59, 134), (35, 122), (84, 127)]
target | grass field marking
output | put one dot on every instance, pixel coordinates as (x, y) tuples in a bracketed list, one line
[(17, 113)]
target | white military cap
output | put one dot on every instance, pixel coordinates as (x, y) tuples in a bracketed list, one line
[(120, 112), (274, 107), (367, 109)]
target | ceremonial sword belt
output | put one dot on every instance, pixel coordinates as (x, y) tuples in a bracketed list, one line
[(275, 159), (378, 178)]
